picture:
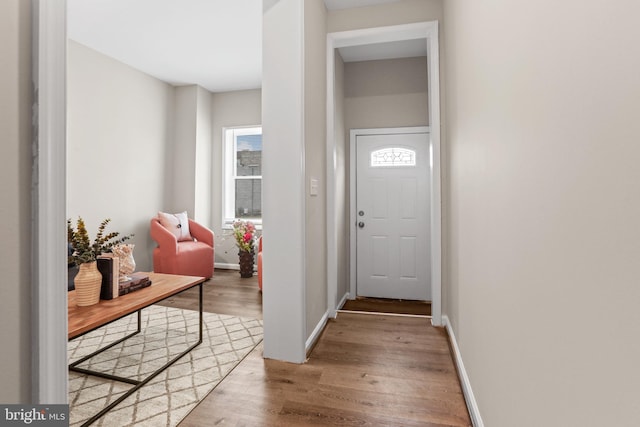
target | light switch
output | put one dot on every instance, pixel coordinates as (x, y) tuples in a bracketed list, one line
[(313, 187)]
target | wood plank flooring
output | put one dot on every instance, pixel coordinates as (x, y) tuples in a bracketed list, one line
[(383, 305), (225, 293), (366, 370)]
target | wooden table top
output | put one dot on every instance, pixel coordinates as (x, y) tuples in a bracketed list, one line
[(85, 319)]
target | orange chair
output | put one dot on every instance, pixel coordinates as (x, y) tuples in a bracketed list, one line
[(187, 258), (260, 263)]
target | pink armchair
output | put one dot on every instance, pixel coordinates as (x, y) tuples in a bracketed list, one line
[(188, 258)]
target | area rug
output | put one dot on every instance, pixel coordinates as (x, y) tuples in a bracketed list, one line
[(170, 396)]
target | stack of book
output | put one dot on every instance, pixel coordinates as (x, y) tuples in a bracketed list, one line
[(112, 286), (134, 282), (109, 267)]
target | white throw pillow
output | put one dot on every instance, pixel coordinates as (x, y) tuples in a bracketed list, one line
[(178, 224)]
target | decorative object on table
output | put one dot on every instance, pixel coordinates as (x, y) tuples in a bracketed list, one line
[(244, 233), (109, 267), (88, 281), (72, 268), (135, 282), (127, 263)]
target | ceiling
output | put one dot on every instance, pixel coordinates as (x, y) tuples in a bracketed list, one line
[(348, 4), (216, 44), (389, 50)]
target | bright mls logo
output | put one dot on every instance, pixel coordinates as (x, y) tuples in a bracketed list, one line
[(39, 415)]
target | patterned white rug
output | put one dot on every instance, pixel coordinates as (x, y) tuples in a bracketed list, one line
[(170, 396)]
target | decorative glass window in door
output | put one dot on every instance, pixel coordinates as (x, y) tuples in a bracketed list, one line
[(393, 156)]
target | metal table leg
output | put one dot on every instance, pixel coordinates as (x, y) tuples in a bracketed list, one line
[(137, 383)]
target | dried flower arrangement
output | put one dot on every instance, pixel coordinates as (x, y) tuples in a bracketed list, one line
[(86, 251)]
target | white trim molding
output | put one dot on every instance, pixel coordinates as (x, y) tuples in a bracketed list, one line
[(342, 302), (472, 405), (421, 30), (332, 213), (317, 331), (433, 91), (231, 266), (49, 301)]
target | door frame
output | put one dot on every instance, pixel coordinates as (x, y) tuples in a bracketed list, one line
[(49, 375), (353, 216), (421, 30)]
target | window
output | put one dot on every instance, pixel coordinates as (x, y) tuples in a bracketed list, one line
[(393, 156), (243, 174)]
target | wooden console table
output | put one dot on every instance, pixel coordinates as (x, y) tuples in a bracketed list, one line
[(86, 319)]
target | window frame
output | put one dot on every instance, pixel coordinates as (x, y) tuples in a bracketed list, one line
[(229, 176)]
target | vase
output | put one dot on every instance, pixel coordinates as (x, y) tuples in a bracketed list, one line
[(246, 263), (87, 283), (127, 262)]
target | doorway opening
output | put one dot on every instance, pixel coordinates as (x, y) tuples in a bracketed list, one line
[(337, 209)]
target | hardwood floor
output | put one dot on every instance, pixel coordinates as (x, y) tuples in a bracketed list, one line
[(383, 305), (366, 370), (224, 293)]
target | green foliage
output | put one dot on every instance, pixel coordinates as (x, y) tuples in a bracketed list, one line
[(86, 251)]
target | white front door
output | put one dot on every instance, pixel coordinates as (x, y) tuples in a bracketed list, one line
[(393, 216)]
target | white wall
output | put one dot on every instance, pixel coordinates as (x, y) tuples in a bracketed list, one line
[(315, 130), (283, 182), (294, 132), (395, 13), (182, 133), (119, 130), (181, 153), (386, 93), (203, 158), (188, 162), (542, 102), (15, 209), (228, 109)]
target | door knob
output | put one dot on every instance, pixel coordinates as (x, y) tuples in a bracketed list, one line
[(361, 224)]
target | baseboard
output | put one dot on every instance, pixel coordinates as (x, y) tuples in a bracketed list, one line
[(333, 312), (343, 301), (229, 266), (316, 333), (469, 398)]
